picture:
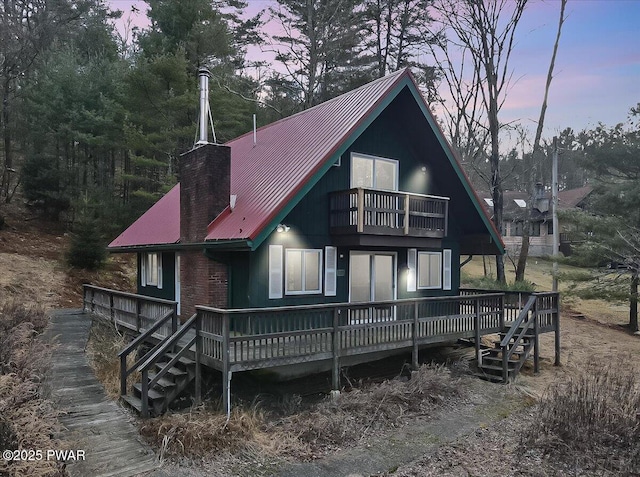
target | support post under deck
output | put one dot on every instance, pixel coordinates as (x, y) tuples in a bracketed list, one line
[(556, 326), (414, 354), (335, 375), (226, 373)]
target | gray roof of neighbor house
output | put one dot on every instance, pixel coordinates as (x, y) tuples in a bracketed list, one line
[(515, 202)]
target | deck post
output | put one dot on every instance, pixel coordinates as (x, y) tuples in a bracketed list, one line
[(138, 314), (198, 384), (446, 218), (226, 373), (502, 310), (414, 356), (174, 319), (556, 327), (360, 210), (144, 398), (536, 338), (476, 329), (112, 313), (406, 214), (335, 376), (123, 375)]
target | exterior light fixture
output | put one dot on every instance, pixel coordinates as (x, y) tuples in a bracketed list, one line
[(281, 228), (423, 168)]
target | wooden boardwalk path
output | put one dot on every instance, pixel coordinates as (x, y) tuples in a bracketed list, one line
[(93, 422)]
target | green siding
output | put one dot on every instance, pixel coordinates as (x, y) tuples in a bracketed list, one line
[(309, 222), (168, 289)]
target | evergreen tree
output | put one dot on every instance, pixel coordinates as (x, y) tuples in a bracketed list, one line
[(610, 233)]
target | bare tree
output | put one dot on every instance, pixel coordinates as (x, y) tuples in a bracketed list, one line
[(319, 45), (483, 31), (397, 31), (537, 149)]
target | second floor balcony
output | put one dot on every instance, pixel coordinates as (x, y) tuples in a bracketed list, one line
[(380, 212)]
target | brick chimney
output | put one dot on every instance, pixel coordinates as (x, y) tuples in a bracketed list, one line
[(205, 187)]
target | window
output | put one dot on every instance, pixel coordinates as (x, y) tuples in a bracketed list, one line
[(371, 172), (303, 271), (520, 202), (535, 229), (151, 273), (516, 229), (550, 228), (429, 270)]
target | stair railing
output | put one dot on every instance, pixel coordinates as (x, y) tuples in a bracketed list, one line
[(170, 343), (124, 353), (526, 324)]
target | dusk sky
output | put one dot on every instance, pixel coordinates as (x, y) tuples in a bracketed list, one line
[(597, 73)]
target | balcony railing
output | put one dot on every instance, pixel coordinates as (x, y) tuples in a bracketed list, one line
[(377, 212)]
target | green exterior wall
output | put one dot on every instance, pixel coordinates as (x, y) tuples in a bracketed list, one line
[(168, 289), (309, 222)]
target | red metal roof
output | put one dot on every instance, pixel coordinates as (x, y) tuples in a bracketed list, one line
[(265, 177), (287, 153), (159, 225)]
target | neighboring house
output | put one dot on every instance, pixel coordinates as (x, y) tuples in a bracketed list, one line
[(357, 199), (541, 239)]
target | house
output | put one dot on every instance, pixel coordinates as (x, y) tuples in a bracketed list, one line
[(541, 238), (357, 199), (327, 238)]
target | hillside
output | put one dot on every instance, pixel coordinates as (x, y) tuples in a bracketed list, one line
[(32, 260)]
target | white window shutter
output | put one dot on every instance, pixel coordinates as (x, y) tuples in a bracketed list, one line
[(446, 269), (159, 255), (330, 265), (143, 269), (275, 271), (412, 276)]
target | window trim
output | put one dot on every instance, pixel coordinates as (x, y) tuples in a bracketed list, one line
[(275, 270), (395, 162), (440, 271), (304, 251), (145, 266)]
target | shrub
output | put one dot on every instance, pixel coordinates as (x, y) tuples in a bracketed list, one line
[(592, 418), (87, 248)]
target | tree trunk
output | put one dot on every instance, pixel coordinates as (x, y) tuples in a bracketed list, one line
[(524, 252), (633, 302), (6, 135), (524, 249)]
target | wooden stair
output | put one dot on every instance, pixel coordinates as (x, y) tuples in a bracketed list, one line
[(174, 382), (491, 366), (165, 370)]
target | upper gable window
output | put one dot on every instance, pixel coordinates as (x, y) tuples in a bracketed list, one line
[(370, 172)]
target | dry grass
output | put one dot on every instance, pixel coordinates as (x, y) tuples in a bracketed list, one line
[(254, 435), (105, 342), (592, 418), (27, 420), (202, 432), (374, 407)]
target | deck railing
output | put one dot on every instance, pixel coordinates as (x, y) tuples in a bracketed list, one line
[(264, 337), (388, 213), (547, 306), (136, 312)]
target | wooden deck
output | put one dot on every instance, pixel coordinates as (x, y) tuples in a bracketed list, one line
[(233, 340), (93, 422)]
